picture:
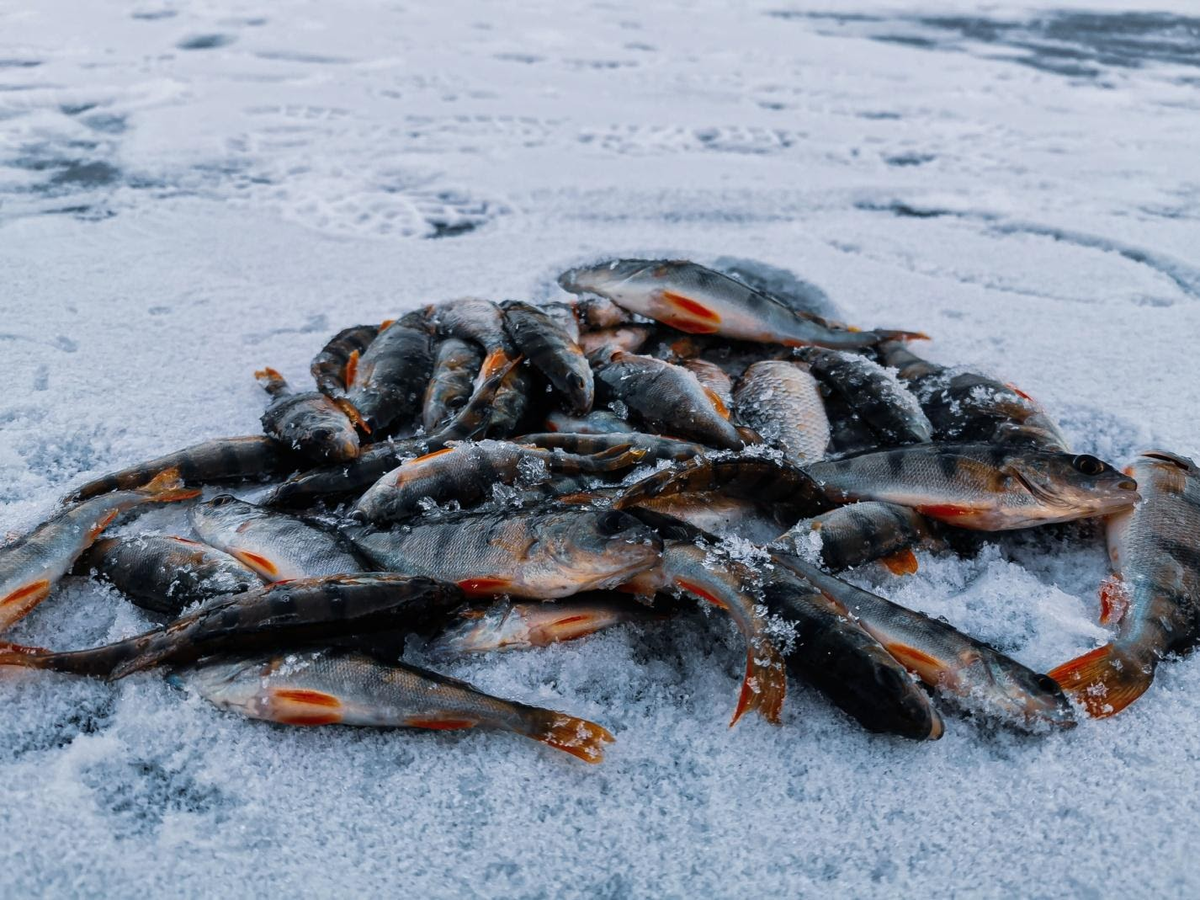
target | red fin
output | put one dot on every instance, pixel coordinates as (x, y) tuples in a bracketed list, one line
[(717, 402), (296, 706), (352, 414), (582, 739), (494, 362), (475, 587), (946, 511), (385, 325), (693, 308), (1020, 393), (1114, 600), (440, 724), (257, 562), (1104, 681), (102, 524), (421, 459), (928, 668), (764, 685), (700, 592), (167, 487), (351, 369), (903, 562), (28, 596)]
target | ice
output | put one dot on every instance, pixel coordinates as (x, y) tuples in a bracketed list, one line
[(190, 191)]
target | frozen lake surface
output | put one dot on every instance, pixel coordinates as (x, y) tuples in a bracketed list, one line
[(189, 191)]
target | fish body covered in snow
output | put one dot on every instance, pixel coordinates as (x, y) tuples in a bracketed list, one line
[(455, 366), (668, 398), (468, 472), (167, 574), (309, 422), (598, 421), (694, 299), (277, 546), (782, 402), (979, 486), (329, 366), (519, 626), (552, 350), (972, 675), (387, 384), (293, 611), (334, 687), (965, 407), (1154, 595), (875, 395), (33, 564), (537, 553), (861, 533), (209, 462)]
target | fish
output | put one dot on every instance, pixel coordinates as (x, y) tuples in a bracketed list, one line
[(209, 462), (511, 400), (974, 676), (968, 407), (652, 447), (668, 398), (849, 435), (595, 313), (1154, 595), (551, 350), (608, 341), (474, 319), (697, 569), (598, 421), (534, 553), (339, 687), (389, 379), (467, 472), (307, 609), (860, 533), (697, 300), (277, 546), (563, 315), (34, 563), (720, 515), (802, 296), (790, 492), (329, 367), (520, 626), (713, 378), (338, 481), (455, 366), (782, 402), (166, 574), (309, 422), (978, 486), (875, 395)]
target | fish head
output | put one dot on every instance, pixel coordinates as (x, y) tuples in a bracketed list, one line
[(605, 278), (1072, 486), (1016, 694), (604, 547), (222, 515)]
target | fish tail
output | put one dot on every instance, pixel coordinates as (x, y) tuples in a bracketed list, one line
[(167, 487), (493, 363), (765, 684), (1106, 680), (273, 383), (885, 335), (24, 656), (579, 737), (352, 414)]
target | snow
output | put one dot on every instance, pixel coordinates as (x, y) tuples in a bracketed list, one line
[(191, 190)]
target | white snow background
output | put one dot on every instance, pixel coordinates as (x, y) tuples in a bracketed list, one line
[(189, 191)]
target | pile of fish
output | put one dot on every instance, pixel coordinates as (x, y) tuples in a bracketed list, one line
[(498, 476)]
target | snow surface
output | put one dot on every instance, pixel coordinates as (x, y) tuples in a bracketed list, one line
[(191, 190)]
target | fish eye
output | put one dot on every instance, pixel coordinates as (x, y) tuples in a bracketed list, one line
[(1046, 683), (457, 402), (611, 523), (222, 500), (1088, 465), (321, 434)]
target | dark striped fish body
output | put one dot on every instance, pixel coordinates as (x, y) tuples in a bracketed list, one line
[(981, 487), (536, 553), (33, 564), (967, 407), (329, 366), (860, 533), (455, 367), (669, 398), (697, 300), (782, 402), (552, 350), (310, 423), (879, 400), (720, 515), (846, 663), (848, 433), (653, 447), (329, 687), (270, 616), (598, 421), (167, 574), (390, 378), (209, 462), (277, 546), (972, 675), (1154, 596), (467, 473)]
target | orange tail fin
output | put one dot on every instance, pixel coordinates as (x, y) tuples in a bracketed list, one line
[(903, 562), (167, 487), (765, 684), (352, 414), (1104, 681), (579, 737)]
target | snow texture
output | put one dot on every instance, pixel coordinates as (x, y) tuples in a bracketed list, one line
[(191, 190)]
